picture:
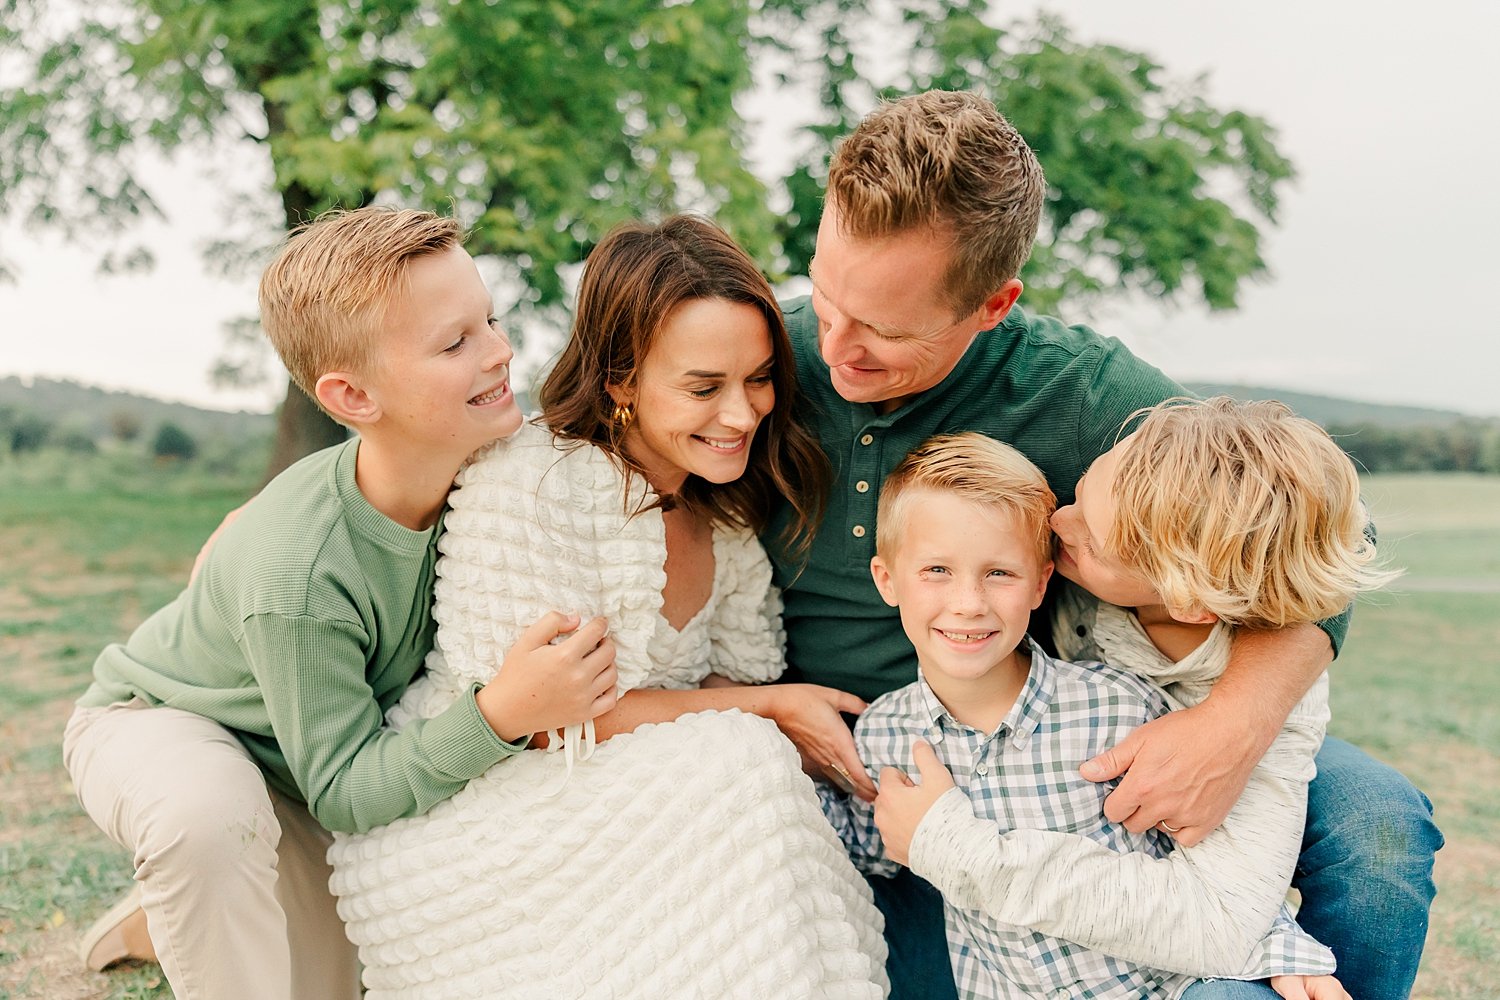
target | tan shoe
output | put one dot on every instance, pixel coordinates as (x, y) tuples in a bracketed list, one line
[(118, 936)]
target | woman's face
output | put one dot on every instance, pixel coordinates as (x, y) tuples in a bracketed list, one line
[(700, 394)]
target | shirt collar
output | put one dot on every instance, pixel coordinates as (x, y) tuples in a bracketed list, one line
[(1020, 723)]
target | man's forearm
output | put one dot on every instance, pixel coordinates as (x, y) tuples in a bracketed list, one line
[(1268, 673)]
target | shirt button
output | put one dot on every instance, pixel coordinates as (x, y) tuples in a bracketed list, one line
[(861, 487), (982, 770), (859, 531), (866, 438)]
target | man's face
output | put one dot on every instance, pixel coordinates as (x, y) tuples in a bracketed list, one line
[(885, 327)]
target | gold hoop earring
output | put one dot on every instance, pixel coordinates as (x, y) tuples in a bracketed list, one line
[(624, 414)]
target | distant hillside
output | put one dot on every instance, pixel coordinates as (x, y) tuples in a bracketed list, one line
[(1329, 410), (93, 410)]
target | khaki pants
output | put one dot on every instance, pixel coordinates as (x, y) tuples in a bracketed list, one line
[(233, 875)]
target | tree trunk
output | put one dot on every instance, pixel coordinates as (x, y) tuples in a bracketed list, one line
[(301, 429)]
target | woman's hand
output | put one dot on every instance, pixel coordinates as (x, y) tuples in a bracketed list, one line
[(808, 715)]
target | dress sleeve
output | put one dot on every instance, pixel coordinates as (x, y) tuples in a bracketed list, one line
[(538, 527), (747, 642)]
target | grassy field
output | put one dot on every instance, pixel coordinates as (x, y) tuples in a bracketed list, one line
[(1419, 685), (91, 547)]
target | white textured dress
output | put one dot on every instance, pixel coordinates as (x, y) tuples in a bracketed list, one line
[(685, 859)]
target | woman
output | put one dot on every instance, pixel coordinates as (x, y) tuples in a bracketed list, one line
[(685, 855)]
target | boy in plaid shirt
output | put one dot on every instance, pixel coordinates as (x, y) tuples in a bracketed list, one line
[(998, 730)]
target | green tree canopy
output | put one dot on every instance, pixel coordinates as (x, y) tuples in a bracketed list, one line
[(544, 122), (1150, 187)]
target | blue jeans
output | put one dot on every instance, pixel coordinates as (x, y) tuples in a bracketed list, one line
[(1365, 876), (918, 959), (1366, 870), (1230, 989)]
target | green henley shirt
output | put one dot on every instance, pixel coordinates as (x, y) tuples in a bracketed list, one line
[(1057, 393)]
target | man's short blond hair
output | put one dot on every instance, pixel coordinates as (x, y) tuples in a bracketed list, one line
[(325, 295), (976, 468), (946, 161), (1244, 510)]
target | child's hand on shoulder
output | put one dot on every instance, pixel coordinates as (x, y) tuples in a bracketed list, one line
[(1309, 988), (901, 804), (543, 686)]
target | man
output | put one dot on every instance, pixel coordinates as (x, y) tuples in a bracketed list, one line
[(912, 329)]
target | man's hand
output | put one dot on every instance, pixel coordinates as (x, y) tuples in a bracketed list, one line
[(542, 686), (1183, 773), (808, 715), (1309, 988), (901, 804)]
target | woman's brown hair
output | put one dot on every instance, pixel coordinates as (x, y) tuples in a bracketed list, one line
[(634, 279)]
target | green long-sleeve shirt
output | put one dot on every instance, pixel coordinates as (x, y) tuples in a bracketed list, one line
[(1059, 394), (306, 622)]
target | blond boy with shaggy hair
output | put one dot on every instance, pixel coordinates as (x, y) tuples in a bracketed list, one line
[(1242, 513), (245, 720), (998, 731)]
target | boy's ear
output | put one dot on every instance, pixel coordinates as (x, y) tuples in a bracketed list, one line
[(1193, 616), (882, 577), (1041, 584), (340, 394)]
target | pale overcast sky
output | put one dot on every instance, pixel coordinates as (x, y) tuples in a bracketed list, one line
[(1387, 109)]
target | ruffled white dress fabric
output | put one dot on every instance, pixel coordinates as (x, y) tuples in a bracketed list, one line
[(685, 859)]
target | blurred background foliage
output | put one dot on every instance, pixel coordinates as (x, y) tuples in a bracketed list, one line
[(542, 123)]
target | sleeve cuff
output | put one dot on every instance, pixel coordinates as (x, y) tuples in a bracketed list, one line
[(1336, 628), (461, 743)]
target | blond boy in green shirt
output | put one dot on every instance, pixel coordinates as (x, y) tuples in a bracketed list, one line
[(246, 719)]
